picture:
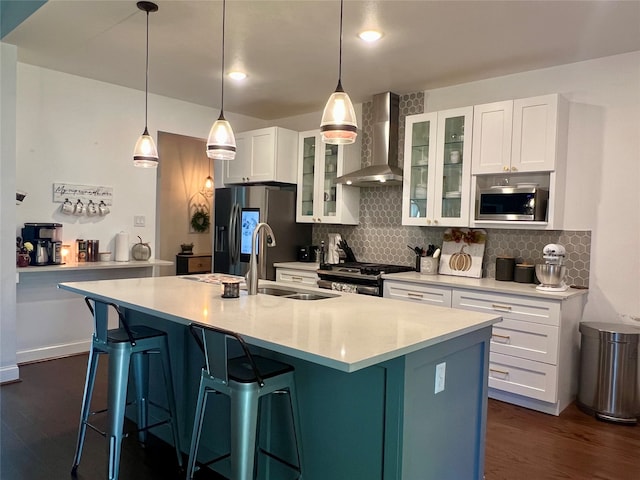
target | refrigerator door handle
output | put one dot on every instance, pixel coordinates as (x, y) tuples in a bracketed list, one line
[(219, 238), (234, 234)]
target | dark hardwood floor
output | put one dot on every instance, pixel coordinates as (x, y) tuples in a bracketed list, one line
[(40, 420)]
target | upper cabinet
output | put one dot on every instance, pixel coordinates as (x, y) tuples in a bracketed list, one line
[(516, 136), (320, 199), (264, 155), (437, 168)]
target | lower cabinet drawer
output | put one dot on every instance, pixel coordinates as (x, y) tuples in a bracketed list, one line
[(199, 264), (536, 310), (533, 341), (523, 377), (297, 276), (189, 264), (431, 294)]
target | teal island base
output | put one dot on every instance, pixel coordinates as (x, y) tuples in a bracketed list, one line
[(382, 422)]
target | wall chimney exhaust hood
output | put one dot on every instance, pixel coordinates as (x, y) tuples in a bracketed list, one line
[(384, 169)]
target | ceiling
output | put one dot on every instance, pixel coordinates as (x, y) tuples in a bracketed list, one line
[(290, 48)]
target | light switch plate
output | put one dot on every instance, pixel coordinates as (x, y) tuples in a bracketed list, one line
[(139, 221), (440, 374)]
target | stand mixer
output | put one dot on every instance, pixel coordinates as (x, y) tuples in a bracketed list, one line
[(552, 272)]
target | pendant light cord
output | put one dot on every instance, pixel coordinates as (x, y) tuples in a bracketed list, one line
[(146, 82), (340, 64), (224, 14)]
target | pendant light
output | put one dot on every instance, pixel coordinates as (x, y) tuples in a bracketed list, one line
[(338, 125), (221, 144), (145, 153), (207, 188)]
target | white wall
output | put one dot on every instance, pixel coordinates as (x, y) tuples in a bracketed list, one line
[(603, 165), (75, 130), (8, 367)]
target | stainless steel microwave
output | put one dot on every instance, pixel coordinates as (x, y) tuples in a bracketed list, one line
[(517, 203)]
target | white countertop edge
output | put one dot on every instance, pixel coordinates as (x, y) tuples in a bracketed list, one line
[(298, 265), (103, 290), (350, 367), (94, 266), (488, 285)]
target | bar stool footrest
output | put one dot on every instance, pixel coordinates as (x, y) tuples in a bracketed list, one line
[(279, 459)]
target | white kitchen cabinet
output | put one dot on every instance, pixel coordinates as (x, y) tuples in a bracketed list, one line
[(491, 146), (263, 155), (301, 277), (419, 168), (320, 199), (415, 292), (533, 360), (518, 136), (437, 166)]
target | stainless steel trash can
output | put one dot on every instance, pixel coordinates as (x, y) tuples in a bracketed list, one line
[(608, 385)]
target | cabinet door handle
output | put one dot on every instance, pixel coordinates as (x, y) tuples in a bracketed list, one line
[(499, 372), (503, 337), (415, 295), (435, 222), (514, 169), (428, 222), (296, 279), (505, 168), (501, 307)]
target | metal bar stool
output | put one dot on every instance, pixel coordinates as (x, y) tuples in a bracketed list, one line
[(245, 380), (125, 345)]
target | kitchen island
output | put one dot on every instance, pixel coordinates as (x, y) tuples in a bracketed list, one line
[(386, 389)]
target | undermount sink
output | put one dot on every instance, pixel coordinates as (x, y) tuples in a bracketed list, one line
[(278, 292), (294, 294)]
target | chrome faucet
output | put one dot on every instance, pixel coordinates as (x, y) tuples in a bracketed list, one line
[(253, 274)]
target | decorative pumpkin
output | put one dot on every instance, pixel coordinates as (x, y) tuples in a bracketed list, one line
[(141, 251), (460, 261)]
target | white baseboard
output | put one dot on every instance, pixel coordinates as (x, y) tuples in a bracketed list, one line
[(52, 351), (9, 374)]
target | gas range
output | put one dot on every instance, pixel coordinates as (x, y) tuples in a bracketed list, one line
[(357, 277)]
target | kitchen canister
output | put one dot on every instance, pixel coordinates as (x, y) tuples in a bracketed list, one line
[(122, 247), (429, 265), (524, 273), (504, 268)]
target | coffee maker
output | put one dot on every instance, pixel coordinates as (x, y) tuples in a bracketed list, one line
[(46, 239)]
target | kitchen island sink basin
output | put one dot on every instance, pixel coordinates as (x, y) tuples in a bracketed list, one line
[(295, 294)]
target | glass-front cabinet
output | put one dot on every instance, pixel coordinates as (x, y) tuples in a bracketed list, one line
[(320, 199), (437, 166), (419, 169)]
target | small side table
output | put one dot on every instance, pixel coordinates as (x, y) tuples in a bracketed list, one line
[(190, 264)]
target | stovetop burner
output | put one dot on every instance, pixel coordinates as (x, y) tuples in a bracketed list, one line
[(362, 268)]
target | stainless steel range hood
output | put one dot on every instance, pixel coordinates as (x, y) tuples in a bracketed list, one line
[(384, 169)]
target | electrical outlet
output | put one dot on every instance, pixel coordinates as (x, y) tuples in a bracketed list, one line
[(440, 374), (139, 221)]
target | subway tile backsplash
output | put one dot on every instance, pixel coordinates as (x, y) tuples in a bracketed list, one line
[(381, 237)]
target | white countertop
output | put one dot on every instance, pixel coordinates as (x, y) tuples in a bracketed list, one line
[(94, 266), (348, 332), (484, 284), (298, 265)]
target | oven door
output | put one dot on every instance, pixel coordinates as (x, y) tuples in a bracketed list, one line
[(348, 285)]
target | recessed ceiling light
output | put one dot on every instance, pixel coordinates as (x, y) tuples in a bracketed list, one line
[(237, 75), (370, 36)]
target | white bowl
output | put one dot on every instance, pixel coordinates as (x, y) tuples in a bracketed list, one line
[(105, 256)]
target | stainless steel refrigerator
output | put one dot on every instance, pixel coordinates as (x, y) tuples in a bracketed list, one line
[(237, 210)]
